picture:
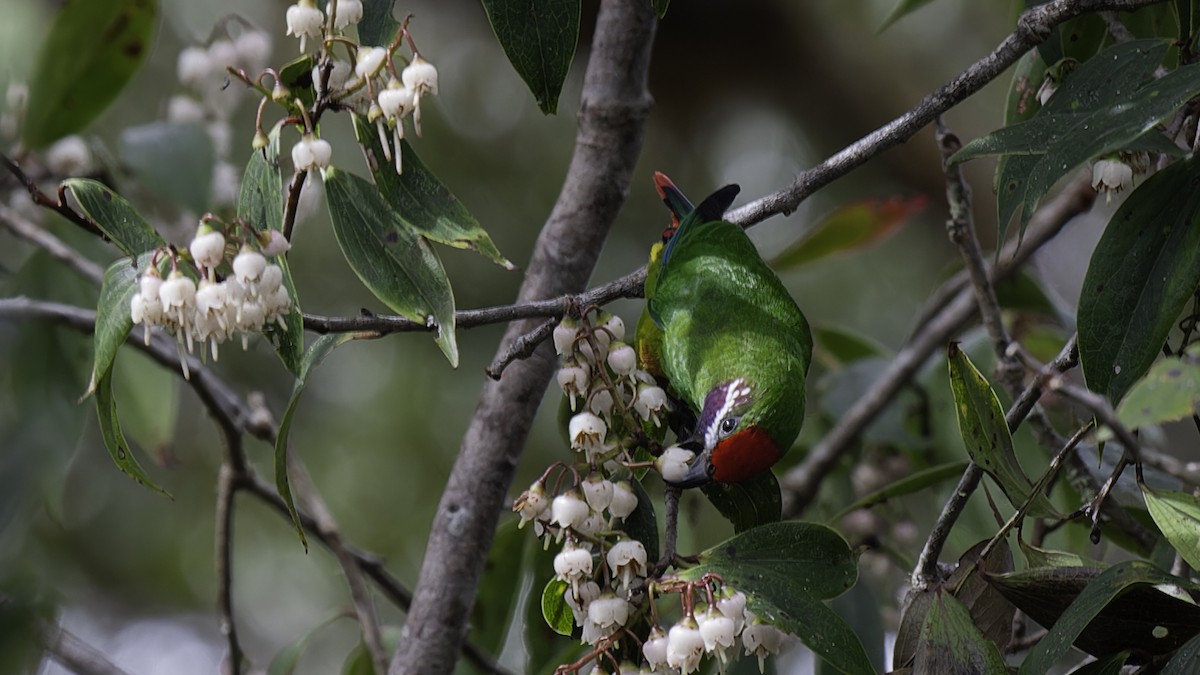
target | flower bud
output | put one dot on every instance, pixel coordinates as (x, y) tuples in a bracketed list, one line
[(273, 243), (624, 501), (370, 60), (685, 646), (673, 463)]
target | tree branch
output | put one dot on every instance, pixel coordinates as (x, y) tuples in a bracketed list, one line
[(800, 483), (76, 655), (613, 109), (1033, 27)]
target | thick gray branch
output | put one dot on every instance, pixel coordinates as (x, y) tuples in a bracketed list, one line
[(612, 117)]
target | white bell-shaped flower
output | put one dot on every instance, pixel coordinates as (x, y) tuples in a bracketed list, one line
[(569, 510), (609, 611), (597, 491), (574, 379), (532, 503), (673, 463), (304, 20), (587, 431), (761, 640), (624, 500), (685, 646), (655, 648), (627, 560), (349, 12)]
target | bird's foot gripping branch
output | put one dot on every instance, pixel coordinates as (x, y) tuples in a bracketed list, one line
[(738, 599)]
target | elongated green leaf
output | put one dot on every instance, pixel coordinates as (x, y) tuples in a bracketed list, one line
[(1166, 634), (1186, 661), (1141, 275), (175, 160), (389, 256), (660, 7), (985, 432), (378, 25), (916, 482), (149, 402), (803, 558), (950, 642), (93, 49), (116, 218), (114, 439), (423, 200), (852, 227), (1169, 392), (1022, 102), (1039, 558), (555, 608), (539, 38), (113, 321), (321, 347), (296, 75), (748, 504), (1177, 514), (260, 204)]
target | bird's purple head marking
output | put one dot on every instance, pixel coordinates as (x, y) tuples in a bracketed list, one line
[(720, 404)]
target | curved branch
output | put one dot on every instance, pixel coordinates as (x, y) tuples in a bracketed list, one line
[(612, 114), (1033, 27), (800, 483)]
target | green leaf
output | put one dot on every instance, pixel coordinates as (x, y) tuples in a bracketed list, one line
[(900, 10), (1103, 590), (113, 321), (642, 524), (260, 204), (1022, 103), (423, 200), (93, 49), (950, 642), (1075, 39), (149, 402), (378, 26), (114, 439), (1186, 661), (555, 608), (1141, 275), (804, 558), (296, 75), (116, 218), (747, 504), (910, 484), (660, 7), (321, 347), (1097, 82), (1177, 514), (985, 432), (500, 586), (1041, 558), (387, 254), (785, 569), (175, 160), (1113, 127), (358, 661), (539, 38), (1169, 392), (852, 227)]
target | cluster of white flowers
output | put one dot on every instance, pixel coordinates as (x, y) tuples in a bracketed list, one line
[(250, 296), (207, 100), (371, 86), (588, 389), (605, 571), (715, 630)]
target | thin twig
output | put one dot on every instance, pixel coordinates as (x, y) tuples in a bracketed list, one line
[(232, 414), (226, 491), (800, 483), (76, 655), (671, 496), (42, 238), (44, 200)]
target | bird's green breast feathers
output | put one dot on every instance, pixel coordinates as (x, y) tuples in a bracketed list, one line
[(725, 314)]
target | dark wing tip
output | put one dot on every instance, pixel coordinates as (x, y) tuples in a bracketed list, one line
[(715, 205)]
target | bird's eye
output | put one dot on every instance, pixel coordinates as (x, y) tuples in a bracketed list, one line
[(728, 425)]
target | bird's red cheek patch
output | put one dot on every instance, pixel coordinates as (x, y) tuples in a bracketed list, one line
[(743, 455)]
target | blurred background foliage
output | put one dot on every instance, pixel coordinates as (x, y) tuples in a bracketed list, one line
[(748, 92)]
